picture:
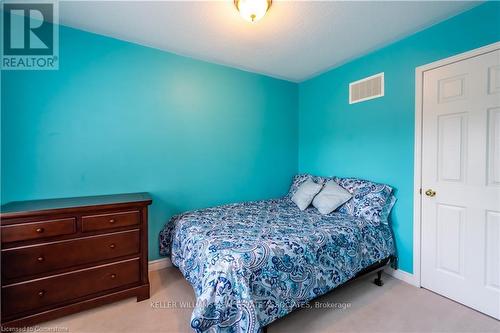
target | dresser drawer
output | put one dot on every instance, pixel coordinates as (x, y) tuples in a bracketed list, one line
[(31, 260), (38, 230), (32, 295), (108, 221)]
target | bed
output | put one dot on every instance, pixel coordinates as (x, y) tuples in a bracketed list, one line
[(252, 263)]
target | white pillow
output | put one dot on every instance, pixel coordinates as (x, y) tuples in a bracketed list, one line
[(331, 197), (305, 193)]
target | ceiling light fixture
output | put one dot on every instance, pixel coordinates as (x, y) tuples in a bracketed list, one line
[(253, 10)]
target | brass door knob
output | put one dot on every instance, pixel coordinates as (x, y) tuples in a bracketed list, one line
[(39, 230), (430, 193)]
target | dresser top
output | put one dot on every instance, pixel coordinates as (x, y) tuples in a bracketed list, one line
[(34, 207)]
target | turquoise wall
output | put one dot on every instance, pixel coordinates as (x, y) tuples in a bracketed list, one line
[(118, 117), (374, 139)]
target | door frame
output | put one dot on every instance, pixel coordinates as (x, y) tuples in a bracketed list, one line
[(417, 167)]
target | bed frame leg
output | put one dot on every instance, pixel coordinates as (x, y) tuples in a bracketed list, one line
[(378, 280)]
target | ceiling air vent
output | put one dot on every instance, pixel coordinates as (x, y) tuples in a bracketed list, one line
[(367, 88)]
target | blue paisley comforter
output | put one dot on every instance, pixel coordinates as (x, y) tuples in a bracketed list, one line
[(251, 263)]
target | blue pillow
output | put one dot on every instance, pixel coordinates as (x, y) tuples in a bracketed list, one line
[(386, 211), (368, 198)]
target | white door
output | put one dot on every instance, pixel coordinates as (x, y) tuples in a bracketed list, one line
[(460, 256)]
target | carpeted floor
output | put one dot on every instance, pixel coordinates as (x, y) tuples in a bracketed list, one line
[(358, 307)]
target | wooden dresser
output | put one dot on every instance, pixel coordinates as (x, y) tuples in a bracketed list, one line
[(62, 256)]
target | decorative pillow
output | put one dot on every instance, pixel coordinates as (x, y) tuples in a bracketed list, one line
[(386, 211), (306, 193), (368, 198), (330, 198), (301, 178)]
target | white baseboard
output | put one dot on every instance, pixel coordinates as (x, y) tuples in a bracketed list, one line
[(157, 264), (403, 276)]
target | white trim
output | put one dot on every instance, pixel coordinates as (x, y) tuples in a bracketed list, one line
[(403, 276), (417, 175), (158, 264), (382, 91)]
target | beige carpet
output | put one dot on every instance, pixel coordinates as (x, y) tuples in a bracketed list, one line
[(358, 307)]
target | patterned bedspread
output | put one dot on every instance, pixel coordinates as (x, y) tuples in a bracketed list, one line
[(251, 263)]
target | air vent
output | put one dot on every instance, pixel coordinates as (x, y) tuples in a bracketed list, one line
[(367, 88)]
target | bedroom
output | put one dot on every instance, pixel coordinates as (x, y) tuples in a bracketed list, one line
[(154, 155)]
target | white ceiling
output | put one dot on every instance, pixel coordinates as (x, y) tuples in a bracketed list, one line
[(294, 41)]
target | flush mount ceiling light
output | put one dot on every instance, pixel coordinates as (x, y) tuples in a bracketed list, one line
[(252, 10)]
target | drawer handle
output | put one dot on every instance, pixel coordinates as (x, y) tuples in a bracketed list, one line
[(112, 221), (113, 276), (39, 230), (112, 246), (40, 258), (41, 293)]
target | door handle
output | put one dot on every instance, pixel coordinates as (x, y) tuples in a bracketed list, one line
[(430, 193)]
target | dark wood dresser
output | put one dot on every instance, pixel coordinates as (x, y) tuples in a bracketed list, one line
[(61, 256)]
